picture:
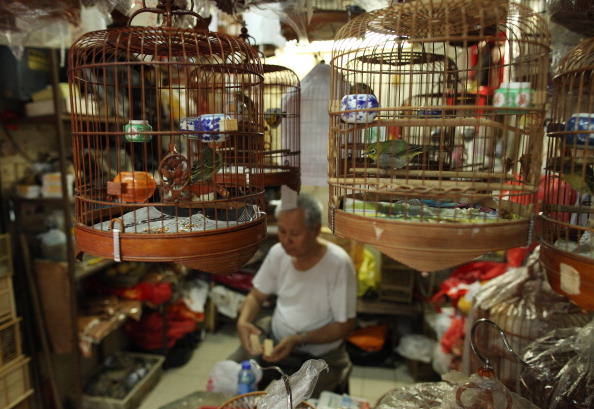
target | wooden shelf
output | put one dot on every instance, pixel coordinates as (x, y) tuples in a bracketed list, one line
[(91, 266), (375, 306)]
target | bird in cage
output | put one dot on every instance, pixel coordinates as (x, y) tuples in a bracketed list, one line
[(207, 165), (571, 173), (396, 153)]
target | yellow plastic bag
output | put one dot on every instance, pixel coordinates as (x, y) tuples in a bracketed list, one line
[(368, 273)]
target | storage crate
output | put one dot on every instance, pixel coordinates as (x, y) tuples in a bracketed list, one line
[(5, 255), (7, 305), (134, 398), (397, 281), (15, 384), (10, 341)]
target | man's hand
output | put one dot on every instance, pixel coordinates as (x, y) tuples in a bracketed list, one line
[(245, 330), (249, 312), (283, 348)]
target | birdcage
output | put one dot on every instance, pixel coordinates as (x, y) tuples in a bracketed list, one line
[(167, 143), (566, 225), (282, 147), (436, 129)]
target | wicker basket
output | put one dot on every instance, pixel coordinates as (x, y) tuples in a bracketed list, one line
[(15, 384), (5, 255), (250, 401), (10, 341), (7, 305)]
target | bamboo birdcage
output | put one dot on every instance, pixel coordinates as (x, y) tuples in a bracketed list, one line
[(282, 134), (566, 224), (471, 188), (184, 187)]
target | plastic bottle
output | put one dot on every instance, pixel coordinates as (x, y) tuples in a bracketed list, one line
[(246, 379)]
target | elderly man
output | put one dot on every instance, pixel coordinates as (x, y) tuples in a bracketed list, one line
[(316, 289)]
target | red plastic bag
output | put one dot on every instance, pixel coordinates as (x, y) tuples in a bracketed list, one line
[(456, 285)]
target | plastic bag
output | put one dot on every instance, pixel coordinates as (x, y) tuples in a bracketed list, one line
[(370, 338), (561, 371), (223, 377), (416, 347), (302, 384), (368, 273)]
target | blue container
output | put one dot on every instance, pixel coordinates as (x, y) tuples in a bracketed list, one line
[(581, 127)]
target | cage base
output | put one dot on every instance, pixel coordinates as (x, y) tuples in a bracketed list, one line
[(569, 274), (431, 246), (221, 251)]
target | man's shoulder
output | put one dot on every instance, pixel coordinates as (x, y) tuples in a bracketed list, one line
[(335, 248), (338, 252)]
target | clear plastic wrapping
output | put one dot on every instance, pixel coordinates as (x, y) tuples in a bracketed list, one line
[(301, 384), (523, 304), (425, 395), (561, 371), (457, 391)]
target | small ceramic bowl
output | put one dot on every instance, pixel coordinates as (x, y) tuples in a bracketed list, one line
[(189, 124), (135, 131), (583, 122), (356, 108), (273, 117), (215, 123)]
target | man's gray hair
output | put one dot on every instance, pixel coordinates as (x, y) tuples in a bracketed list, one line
[(312, 210)]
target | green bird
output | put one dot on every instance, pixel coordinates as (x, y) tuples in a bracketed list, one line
[(394, 154), (581, 179), (207, 165)]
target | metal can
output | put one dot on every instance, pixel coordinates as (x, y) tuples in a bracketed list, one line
[(135, 131)]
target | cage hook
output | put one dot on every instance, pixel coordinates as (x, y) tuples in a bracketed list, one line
[(168, 9), (480, 356)]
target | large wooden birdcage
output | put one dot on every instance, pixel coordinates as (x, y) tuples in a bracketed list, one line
[(282, 135), (167, 144), (567, 224), (436, 128)]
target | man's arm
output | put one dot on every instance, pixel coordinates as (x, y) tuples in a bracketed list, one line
[(250, 310)]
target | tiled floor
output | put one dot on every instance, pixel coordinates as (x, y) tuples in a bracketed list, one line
[(368, 383)]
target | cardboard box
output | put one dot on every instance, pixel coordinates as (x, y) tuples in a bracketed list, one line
[(19, 78), (47, 93), (46, 107)]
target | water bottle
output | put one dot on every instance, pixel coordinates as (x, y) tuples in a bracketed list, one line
[(246, 379)]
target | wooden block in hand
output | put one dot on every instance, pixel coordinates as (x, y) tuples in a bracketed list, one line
[(255, 343), (268, 345)]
